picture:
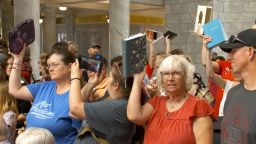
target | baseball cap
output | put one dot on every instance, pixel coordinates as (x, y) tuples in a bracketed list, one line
[(97, 46), (244, 38)]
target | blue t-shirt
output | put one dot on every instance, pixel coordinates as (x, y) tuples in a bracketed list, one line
[(51, 111)]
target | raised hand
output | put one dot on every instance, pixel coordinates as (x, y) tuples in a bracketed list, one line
[(20, 56), (76, 72), (206, 39), (138, 77)]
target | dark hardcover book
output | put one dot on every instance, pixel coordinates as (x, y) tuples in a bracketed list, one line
[(215, 30), (134, 54)]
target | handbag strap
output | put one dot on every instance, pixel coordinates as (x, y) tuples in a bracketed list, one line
[(87, 130)]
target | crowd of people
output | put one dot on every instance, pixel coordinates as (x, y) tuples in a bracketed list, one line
[(167, 102)]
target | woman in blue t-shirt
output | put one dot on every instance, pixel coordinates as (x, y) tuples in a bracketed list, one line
[(50, 108)]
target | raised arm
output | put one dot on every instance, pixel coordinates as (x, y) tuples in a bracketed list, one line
[(135, 112), (168, 45), (76, 103), (209, 66), (216, 66), (151, 55), (88, 88), (15, 88)]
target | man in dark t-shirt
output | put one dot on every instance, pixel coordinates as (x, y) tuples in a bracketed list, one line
[(238, 125)]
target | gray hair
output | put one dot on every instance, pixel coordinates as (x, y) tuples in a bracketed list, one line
[(35, 136), (179, 63)]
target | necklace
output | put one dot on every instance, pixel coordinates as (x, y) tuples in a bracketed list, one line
[(172, 106), (178, 103)]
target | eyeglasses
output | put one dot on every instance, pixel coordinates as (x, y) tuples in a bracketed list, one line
[(174, 74), (53, 65), (234, 39)]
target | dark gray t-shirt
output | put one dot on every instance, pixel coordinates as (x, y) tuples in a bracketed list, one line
[(108, 118), (239, 122)]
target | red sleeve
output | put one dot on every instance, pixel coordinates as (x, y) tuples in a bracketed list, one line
[(225, 70), (201, 108), (158, 102), (149, 71), (153, 101)]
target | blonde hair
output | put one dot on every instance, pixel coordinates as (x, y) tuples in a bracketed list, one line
[(180, 63), (35, 136), (7, 102)]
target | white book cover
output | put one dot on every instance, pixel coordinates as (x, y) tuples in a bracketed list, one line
[(203, 16)]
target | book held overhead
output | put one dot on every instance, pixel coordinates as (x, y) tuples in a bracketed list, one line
[(216, 31), (134, 54)]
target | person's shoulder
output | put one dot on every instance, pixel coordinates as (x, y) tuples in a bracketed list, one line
[(157, 101), (158, 97), (196, 100), (236, 86), (47, 84), (199, 107)]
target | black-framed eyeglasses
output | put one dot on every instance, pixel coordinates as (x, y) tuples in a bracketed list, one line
[(234, 39), (175, 74)]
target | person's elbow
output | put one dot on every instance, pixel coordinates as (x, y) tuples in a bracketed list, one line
[(131, 117), (135, 119), (12, 91), (77, 111)]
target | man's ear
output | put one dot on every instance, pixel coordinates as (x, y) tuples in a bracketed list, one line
[(252, 53)]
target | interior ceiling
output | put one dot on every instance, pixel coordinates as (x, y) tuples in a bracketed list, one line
[(90, 7)]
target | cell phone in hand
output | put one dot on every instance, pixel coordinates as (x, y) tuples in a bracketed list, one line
[(89, 64), (21, 34), (170, 34)]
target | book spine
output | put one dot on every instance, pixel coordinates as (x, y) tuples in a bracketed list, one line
[(124, 58)]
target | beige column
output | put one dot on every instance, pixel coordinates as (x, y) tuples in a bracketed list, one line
[(69, 19), (29, 9), (7, 18), (49, 28), (119, 26)]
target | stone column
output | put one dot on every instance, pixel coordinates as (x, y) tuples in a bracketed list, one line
[(119, 26), (69, 19), (24, 9), (7, 19), (49, 28)]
